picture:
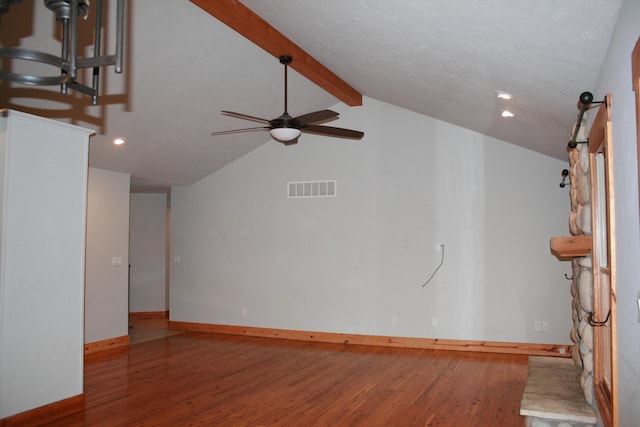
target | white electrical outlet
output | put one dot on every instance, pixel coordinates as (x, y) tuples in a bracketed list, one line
[(434, 322), (243, 312), (545, 325), (438, 247), (394, 320)]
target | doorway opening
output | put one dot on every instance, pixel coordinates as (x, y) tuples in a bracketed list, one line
[(149, 249)]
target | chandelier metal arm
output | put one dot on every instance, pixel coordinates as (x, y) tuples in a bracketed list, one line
[(119, 35), (67, 13), (79, 87), (73, 48), (96, 61), (32, 55)]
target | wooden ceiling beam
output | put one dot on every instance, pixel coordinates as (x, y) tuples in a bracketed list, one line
[(243, 20)]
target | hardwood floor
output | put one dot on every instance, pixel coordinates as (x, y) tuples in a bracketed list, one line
[(141, 330), (221, 380)]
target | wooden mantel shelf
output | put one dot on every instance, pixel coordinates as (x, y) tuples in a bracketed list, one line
[(567, 247)]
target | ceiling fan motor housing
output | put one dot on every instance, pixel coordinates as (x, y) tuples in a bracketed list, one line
[(285, 121)]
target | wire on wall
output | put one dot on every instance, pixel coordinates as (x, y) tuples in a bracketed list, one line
[(437, 268)]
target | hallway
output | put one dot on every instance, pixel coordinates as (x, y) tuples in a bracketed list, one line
[(141, 330)]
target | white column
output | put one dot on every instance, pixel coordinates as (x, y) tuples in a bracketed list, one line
[(43, 199)]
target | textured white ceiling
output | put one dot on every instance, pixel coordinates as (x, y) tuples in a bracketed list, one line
[(445, 59), (440, 58)]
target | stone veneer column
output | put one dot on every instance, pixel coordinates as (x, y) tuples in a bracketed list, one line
[(582, 283)]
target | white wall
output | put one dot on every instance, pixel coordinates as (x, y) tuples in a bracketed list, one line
[(616, 79), (148, 249), (106, 302), (350, 263), (42, 264)]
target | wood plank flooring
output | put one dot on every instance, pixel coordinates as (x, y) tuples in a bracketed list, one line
[(219, 380), (141, 330)]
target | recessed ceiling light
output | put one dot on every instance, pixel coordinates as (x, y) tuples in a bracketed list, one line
[(119, 141), (506, 113), (503, 95)]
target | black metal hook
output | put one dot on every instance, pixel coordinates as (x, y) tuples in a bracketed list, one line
[(595, 322), (565, 175), (567, 277), (574, 144), (586, 100)]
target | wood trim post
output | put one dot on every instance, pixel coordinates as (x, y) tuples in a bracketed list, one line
[(605, 363), (635, 77)]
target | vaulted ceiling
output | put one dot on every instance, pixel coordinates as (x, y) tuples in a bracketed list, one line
[(440, 58)]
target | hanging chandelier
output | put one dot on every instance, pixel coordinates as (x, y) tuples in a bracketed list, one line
[(67, 13)]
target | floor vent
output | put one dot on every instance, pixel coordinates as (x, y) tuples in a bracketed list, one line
[(311, 189)]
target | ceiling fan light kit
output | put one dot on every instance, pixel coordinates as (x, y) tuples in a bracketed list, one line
[(285, 134), (287, 129)]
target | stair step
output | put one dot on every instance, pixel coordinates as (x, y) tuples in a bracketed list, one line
[(553, 392)]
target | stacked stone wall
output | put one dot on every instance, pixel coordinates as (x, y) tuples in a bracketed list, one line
[(582, 281)]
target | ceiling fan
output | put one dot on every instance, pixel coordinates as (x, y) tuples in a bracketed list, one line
[(287, 129)]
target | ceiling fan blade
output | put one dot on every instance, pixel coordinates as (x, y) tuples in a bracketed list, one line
[(331, 131), (228, 132), (245, 117), (316, 117)]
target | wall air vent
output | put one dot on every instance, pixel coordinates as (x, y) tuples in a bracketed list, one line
[(311, 189)]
